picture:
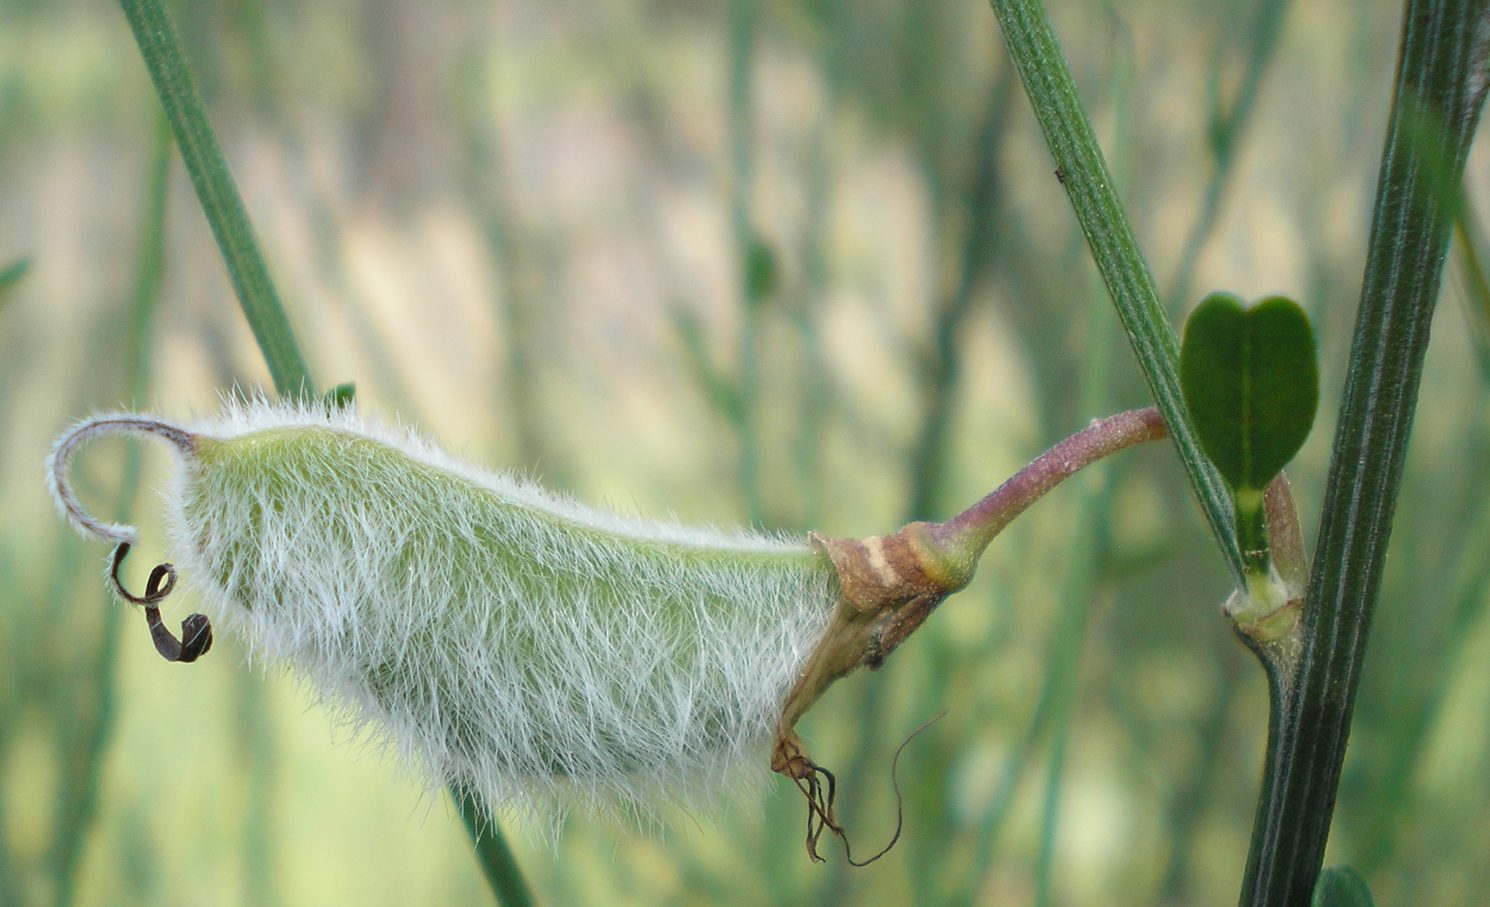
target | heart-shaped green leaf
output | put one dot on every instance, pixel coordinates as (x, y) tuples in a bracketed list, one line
[(1251, 383), (1341, 886)]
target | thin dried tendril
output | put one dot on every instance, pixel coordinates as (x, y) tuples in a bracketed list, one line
[(820, 787)]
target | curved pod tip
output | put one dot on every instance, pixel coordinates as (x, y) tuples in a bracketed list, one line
[(196, 629), (59, 461)]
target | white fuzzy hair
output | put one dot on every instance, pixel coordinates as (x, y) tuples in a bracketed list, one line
[(532, 650)]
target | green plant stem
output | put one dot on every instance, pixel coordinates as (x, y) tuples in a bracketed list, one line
[(161, 49), (1090, 550), (1186, 807), (80, 801), (497, 861), (1073, 145), (1021, 757), (1437, 100), (825, 161), (1252, 534), (257, 765), (943, 368)]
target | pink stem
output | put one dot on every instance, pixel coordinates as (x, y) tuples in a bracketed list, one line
[(975, 527)]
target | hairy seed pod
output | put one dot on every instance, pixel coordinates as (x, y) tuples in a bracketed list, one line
[(525, 648), (519, 645)]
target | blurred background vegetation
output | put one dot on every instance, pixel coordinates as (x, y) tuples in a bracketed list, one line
[(802, 264)]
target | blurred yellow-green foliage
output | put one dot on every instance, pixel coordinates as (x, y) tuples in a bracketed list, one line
[(520, 225)]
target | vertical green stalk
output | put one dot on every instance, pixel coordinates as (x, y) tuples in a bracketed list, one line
[(1186, 808), (807, 449), (161, 49), (1084, 174), (1464, 591), (79, 801), (11, 275), (943, 368), (1092, 513), (1439, 93), (1093, 508), (813, 407)]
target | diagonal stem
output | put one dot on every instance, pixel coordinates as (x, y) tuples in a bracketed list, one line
[(161, 49), (1083, 172)]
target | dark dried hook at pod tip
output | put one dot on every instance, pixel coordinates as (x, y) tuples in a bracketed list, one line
[(196, 630)]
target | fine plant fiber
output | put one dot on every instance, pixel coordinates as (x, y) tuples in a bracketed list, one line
[(533, 651)]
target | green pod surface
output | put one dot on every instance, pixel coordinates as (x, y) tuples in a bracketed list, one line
[(517, 644)]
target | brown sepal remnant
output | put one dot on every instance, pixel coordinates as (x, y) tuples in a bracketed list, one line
[(889, 585)]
